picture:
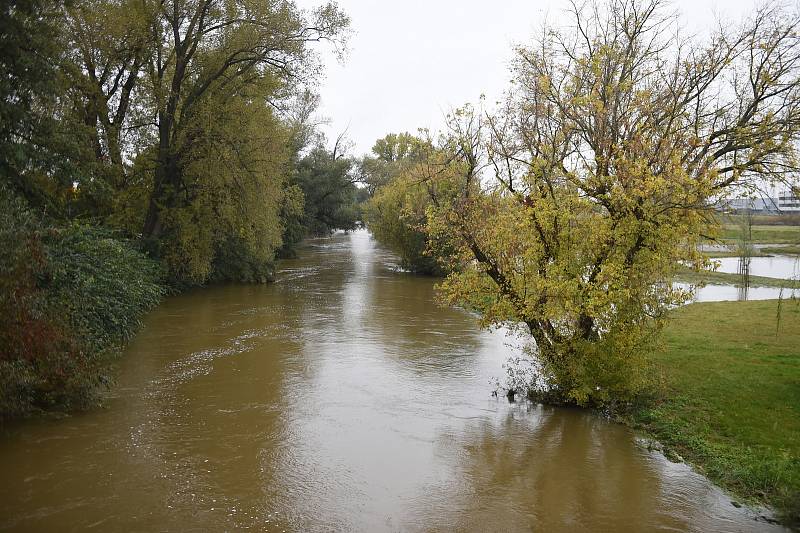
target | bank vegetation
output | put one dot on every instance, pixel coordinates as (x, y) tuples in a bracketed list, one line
[(146, 147)]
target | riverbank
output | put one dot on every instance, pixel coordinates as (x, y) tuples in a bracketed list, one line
[(761, 233), (70, 297), (732, 403), (723, 278)]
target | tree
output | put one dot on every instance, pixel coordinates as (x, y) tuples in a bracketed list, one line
[(396, 217), (110, 42), (234, 169), (31, 52), (595, 179), (392, 154), (329, 191), (396, 214), (170, 121), (204, 47)]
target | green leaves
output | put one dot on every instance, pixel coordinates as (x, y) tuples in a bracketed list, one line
[(326, 180), (69, 296), (102, 284), (396, 216)]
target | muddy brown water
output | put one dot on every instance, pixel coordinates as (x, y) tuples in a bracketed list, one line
[(339, 398)]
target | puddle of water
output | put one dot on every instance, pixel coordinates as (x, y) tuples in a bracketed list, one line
[(779, 266)]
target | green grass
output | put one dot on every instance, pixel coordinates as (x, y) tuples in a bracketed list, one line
[(767, 251), (723, 278), (763, 234), (786, 219), (733, 253), (781, 250), (732, 398)]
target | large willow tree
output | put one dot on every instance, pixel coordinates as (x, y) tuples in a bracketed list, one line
[(212, 46), (181, 109), (597, 175)]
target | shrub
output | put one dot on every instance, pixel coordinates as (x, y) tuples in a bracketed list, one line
[(68, 297), (103, 284)]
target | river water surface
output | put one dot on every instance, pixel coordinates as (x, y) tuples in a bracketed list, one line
[(339, 398)]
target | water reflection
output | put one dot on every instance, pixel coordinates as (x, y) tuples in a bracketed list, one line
[(339, 398), (532, 460)]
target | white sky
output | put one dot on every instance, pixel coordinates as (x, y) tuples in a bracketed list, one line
[(411, 61)]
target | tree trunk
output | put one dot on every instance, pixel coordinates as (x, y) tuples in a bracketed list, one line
[(163, 179)]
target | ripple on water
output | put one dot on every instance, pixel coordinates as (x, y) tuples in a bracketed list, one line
[(340, 398)]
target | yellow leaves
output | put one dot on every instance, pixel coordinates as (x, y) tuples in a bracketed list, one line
[(614, 150), (234, 160), (566, 261), (544, 83)]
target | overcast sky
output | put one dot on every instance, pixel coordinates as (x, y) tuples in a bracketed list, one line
[(410, 61)]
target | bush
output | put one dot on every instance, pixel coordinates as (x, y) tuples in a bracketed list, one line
[(236, 260), (103, 284), (68, 297)]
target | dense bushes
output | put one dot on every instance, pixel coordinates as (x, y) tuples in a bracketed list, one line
[(68, 297), (102, 284)]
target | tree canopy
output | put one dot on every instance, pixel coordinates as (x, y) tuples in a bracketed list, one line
[(166, 121), (581, 196)]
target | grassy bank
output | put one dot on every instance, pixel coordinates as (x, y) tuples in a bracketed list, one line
[(767, 251), (762, 234), (785, 219), (723, 278), (782, 250), (732, 398), (734, 253)]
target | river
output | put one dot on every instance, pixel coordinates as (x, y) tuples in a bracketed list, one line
[(339, 398)]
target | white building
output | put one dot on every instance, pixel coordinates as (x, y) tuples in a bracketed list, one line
[(788, 201), (785, 201)]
